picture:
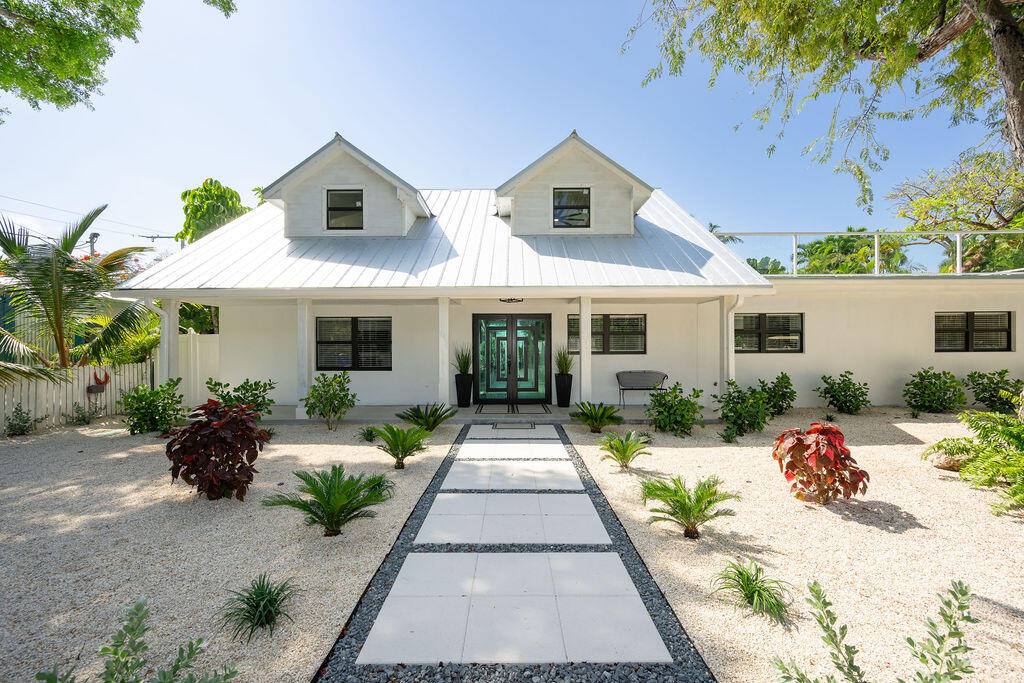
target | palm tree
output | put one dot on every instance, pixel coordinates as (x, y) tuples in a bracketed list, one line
[(56, 299), (715, 229), (689, 508)]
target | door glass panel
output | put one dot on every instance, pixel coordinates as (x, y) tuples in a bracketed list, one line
[(492, 358), (532, 358)]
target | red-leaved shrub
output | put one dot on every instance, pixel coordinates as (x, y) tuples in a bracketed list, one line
[(818, 464), (216, 450)]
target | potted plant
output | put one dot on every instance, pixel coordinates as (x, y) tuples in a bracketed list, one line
[(563, 377), (463, 375)]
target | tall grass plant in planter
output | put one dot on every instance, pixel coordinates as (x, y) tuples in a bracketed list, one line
[(563, 376), (463, 365)]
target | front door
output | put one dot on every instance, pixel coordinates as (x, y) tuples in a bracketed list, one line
[(511, 358)]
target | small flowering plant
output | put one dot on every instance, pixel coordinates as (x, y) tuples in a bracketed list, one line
[(818, 464)]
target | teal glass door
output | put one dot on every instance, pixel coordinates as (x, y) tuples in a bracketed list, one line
[(511, 358)]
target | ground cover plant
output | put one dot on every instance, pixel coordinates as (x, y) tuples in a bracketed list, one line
[(216, 450), (994, 389), (82, 415), (429, 417), (257, 607), (818, 464), (933, 391), (401, 443), (624, 448), (596, 416), (942, 652), (686, 507), (335, 498), (673, 410), (742, 410), (748, 585), (780, 393), (252, 393), (153, 410), (20, 422), (124, 662), (367, 434), (330, 398), (844, 393)]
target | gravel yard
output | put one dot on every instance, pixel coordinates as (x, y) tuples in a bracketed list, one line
[(90, 522), (881, 557)]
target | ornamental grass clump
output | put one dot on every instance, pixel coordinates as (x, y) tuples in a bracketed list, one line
[(257, 607), (429, 417), (933, 391), (672, 410), (748, 585), (335, 499), (597, 416), (686, 507), (401, 443), (624, 448), (818, 464), (844, 393), (216, 450)]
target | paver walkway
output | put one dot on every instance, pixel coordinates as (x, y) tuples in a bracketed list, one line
[(511, 563)]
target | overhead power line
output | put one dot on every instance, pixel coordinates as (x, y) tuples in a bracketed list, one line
[(79, 213)]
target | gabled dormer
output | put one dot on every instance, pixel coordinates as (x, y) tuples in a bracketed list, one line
[(572, 189), (341, 191)]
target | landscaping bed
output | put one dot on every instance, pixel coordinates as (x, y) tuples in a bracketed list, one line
[(881, 557), (90, 522)]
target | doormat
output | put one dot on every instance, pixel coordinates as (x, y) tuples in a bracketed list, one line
[(493, 409), (532, 409), (513, 425)]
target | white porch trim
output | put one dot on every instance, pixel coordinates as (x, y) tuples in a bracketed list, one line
[(168, 340), (443, 350), (304, 342), (586, 374), (727, 306)]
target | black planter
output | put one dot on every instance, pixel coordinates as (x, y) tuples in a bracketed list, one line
[(464, 389), (563, 389)]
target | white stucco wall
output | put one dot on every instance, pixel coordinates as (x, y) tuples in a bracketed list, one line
[(258, 341)]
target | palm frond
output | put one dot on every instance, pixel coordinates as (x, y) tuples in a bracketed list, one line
[(335, 499), (69, 238), (12, 372), (118, 329), (689, 508), (13, 238), (114, 262)]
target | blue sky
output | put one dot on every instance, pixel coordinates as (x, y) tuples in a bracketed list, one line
[(448, 94)]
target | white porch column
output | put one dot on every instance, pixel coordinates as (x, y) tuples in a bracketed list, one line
[(586, 376), (727, 306), (303, 344), (443, 351), (168, 340)]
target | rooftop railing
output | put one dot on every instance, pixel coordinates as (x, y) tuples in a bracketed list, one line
[(951, 242)]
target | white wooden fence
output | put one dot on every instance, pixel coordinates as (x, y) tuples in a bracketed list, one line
[(56, 400)]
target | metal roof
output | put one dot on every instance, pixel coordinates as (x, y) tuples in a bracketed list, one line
[(463, 246)]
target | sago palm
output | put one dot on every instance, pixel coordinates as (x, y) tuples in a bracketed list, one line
[(335, 498), (401, 443), (430, 417), (596, 415), (624, 448), (689, 508)]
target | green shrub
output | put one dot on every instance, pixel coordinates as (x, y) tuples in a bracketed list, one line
[(942, 652), (749, 586), (624, 449), (401, 443), (124, 662), (563, 361), (730, 434), (988, 388), (257, 606), (933, 391), (844, 394), (20, 422), (335, 498), (780, 393), (671, 410), (330, 398), (689, 508), (596, 416), (253, 393), (367, 434), (82, 415), (430, 417), (463, 363), (153, 410), (745, 410)]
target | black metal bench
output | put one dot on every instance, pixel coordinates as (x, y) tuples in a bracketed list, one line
[(638, 380)]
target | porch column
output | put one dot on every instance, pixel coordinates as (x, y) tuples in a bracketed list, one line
[(727, 360), (443, 351), (303, 374), (586, 377), (168, 340)]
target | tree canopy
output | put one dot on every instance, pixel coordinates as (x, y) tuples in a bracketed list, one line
[(766, 265), (54, 51), (853, 253), (208, 207)]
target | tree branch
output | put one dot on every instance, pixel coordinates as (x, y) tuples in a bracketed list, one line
[(18, 18)]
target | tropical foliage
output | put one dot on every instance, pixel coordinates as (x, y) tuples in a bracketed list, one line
[(430, 417), (780, 394), (20, 422), (152, 410), (208, 207), (597, 416), (672, 410), (257, 607), (401, 443), (853, 254), (686, 507), (934, 391), (330, 398), (742, 410), (624, 448), (252, 393), (748, 585), (818, 464), (844, 393), (335, 498), (766, 265), (994, 390)]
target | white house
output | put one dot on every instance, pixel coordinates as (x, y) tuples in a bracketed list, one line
[(348, 267)]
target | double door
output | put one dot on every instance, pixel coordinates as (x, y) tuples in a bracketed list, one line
[(512, 358)]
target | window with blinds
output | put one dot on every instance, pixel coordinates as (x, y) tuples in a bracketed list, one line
[(972, 331), (611, 333), (353, 343), (769, 333)]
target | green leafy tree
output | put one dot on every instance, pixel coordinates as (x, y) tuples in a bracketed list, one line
[(766, 265), (54, 51), (853, 254), (208, 207), (716, 230), (962, 56)]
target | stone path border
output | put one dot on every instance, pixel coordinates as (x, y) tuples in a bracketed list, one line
[(340, 664)]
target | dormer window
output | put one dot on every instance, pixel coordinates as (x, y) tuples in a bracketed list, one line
[(344, 209), (571, 207)]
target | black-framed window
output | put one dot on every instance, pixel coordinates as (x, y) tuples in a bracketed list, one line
[(344, 209), (353, 343), (973, 331), (769, 333), (611, 333), (571, 207)]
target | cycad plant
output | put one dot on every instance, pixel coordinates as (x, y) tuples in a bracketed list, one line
[(401, 443), (596, 415), (624, 448), (429, 417), (748, 585), (689, 508), (335, 498), (257, 606)]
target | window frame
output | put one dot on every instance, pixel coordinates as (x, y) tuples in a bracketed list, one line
[(762, 332), (606, 334), (588, 207), (354, 322), (327, 208), (969, 331)]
